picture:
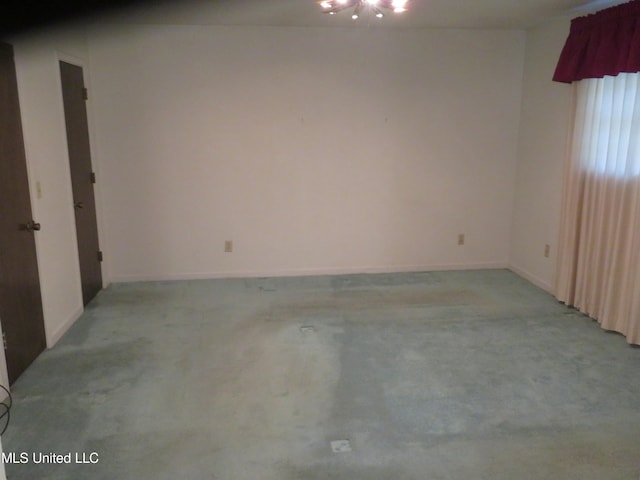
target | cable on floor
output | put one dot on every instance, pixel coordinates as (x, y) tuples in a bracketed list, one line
[(5, 408)]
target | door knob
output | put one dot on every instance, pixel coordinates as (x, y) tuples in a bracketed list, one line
[(32, 226), (78, 205)]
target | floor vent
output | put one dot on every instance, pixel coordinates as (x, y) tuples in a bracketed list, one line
[(340, 446)]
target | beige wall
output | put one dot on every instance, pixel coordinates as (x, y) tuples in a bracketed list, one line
[(542, 143), (314, 150)]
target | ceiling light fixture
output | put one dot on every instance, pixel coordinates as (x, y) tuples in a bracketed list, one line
[(359, 6)]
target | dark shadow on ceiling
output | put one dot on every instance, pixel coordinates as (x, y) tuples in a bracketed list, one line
[(26, 16)]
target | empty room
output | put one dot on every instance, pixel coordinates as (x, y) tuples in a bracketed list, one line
[(340, 239)]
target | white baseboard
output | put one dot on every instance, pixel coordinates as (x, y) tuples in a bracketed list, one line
[(306, 272), (532, 278), (53, 337)]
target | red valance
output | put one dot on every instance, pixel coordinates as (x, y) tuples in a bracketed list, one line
[(603, 43)]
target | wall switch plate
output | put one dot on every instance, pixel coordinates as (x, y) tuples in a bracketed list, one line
[(461, 239), (228, 246), (547, 250)]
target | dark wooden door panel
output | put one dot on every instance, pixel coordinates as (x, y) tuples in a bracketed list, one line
[(20, 297), (75, 111)]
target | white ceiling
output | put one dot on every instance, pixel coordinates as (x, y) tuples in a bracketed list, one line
[(306, 13)]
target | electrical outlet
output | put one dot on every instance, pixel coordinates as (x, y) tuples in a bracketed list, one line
[(228, 246), (547, 250), (461, 239)]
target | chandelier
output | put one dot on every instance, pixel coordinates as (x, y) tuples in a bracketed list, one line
[(359, 6)]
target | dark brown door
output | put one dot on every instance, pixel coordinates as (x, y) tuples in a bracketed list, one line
[(20, 297), (82, 179)]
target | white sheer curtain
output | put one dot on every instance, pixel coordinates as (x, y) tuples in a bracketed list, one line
[(598, 268)]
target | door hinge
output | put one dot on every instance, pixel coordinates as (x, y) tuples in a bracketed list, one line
[(93, 177), (99, 256), (85, 93), (4, 340)]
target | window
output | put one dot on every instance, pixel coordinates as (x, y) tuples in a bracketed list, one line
[(607, 125)]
